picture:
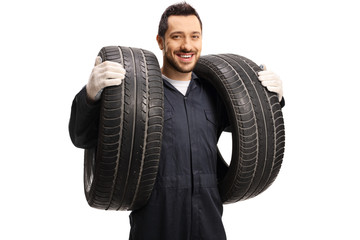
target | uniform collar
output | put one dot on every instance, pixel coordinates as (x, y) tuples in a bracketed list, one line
[(193, 84)]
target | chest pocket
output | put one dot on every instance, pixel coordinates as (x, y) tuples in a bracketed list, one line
[(168, 122), (210, 117), (168, 114), (211, 125)]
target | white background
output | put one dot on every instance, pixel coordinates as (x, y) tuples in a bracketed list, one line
[(48, 49)]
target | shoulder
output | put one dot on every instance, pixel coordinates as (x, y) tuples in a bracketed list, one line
[(204, 83)]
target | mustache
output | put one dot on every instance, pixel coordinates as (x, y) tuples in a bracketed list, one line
[(185, 51)]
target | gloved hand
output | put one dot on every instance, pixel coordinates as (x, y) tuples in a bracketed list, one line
[(271, 81), (104, 74)]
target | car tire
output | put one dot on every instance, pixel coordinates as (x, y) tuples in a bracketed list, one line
[(120, 172), (256, 121)]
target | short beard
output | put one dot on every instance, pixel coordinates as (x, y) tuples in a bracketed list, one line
[(174, 65)]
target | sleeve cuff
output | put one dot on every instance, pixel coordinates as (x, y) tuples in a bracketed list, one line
[(282, 102)]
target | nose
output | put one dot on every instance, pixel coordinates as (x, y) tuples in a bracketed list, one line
[(186, 45)]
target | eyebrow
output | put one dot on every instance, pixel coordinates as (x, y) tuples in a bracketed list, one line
[(180, 32)]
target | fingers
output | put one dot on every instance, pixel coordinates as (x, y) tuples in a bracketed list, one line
[(111, 67), (110, 79), (268, 76), (108, 66), (98, 60), (109, 73), (271, 81), (104, 74), (112, 82)]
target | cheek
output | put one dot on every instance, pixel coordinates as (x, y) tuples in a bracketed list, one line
[(198, 46), (170, 46)]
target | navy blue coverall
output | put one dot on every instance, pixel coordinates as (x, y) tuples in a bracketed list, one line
[(185, 202)]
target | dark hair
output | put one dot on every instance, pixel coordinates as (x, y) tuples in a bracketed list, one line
[(179, 9)]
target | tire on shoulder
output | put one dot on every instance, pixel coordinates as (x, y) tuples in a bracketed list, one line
[(119, 174), (256, 121)]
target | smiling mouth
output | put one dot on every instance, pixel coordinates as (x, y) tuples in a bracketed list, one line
[(185, 56)]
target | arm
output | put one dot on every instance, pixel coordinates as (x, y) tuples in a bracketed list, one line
[(84, 121), (85, 110)]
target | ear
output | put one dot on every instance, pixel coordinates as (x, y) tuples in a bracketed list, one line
[(160, 42)]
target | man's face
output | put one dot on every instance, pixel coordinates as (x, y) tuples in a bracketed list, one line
[(182, 44)]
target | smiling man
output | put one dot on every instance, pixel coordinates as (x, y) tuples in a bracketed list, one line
[(181, 45), (185, 202)]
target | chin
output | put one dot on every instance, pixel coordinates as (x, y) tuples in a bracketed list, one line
[(186, 69)]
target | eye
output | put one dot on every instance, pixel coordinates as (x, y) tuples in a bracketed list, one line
[(176, 37)]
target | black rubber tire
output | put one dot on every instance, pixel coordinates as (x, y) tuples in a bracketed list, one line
[(120, 173), (256, 119)]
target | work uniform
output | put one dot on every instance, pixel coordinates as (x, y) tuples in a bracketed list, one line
[(185, 202)]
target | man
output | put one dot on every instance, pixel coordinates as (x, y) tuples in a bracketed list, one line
[(185, 202)]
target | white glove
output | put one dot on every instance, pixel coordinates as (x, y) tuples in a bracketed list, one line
[(271, 81), (103, 75)]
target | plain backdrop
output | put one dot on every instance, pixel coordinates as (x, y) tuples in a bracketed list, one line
[(48, 49)]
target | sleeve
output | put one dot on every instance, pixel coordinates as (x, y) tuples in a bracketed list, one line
[(84, 121), (223, 117), (282, 102)]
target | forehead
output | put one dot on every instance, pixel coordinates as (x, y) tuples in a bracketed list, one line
[(183, 24)]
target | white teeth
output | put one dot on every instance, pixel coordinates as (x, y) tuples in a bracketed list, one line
[(185, 56)]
